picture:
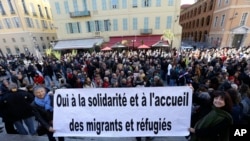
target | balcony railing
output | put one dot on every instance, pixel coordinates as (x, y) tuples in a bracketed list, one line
[(146, 31), (85, 13)]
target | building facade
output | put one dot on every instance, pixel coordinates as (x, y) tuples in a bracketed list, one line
[(78, 19), (196, 21), (231, 24), (26, 26)]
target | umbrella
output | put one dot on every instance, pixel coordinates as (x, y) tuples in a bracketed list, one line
[(106, 49), (143, 46)]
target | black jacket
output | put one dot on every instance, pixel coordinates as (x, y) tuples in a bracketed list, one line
[(15, 106)]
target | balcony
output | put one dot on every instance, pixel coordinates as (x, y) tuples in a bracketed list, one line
[(85, 13), (146, 31)]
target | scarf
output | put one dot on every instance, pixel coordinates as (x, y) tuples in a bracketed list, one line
[(214, 117), (45, 102)]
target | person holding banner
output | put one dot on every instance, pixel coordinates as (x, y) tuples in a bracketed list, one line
[(216, 124), (43, 110)]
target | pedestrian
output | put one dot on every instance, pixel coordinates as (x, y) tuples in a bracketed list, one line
[(15, 108), (43, 110), (216, 124)]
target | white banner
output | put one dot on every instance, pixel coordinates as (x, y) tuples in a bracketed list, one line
[(122, 112)]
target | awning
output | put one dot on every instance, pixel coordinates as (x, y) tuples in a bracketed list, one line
[(134, 41), (77, 43)]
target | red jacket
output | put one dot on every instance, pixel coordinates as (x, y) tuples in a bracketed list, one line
[(38, 79)]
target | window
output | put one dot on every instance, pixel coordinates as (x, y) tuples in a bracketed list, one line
[(75, 4), (125, 24), (215, 21), (222, 20), (12, 11), (158, 3), (219, 3), (169, 22), (197, 22), (90, 26), (1, 8), (243, 19), (226, 1), (84, 4), (32, 8), (170, 2), (29, 22), (26, 50), (16, 22), (8, 50), (106, 25), (146, 22), (58, 10), (97, 26), (208, 20), (124, 4), (13, 40), (66, 7), (40, 10), (41, 38), (104, 6), (24, 7), (44, 47), (157, 22), (146, 3), (73, 27), (38, 48), (7, 22), (37, 23), (44, 24), (114, 4), (115, 25), (134, 4), (135, 24), (48, 38), (94, 6), (1, 24), (4, 40), (202, 22), (22, 39), (17, 50), (47, 12)]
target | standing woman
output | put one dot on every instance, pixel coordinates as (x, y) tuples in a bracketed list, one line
[(43, 111), (216, 124)]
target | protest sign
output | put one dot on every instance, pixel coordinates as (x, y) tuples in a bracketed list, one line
[(122, 112)]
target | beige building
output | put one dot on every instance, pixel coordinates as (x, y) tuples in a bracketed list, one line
[(231, 24), (90, 21), (25, 26)]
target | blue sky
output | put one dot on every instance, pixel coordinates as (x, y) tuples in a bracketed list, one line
[(187, 2)]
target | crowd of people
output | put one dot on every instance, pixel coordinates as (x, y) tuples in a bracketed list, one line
[(220, 79)]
